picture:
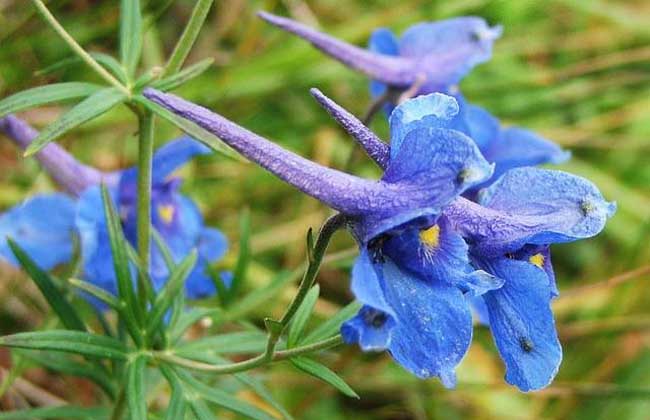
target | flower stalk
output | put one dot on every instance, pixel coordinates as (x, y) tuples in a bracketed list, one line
[(145, 157)]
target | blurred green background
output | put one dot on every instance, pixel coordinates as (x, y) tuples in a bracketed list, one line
[(576, 71)]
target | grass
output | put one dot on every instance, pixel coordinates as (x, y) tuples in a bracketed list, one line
[(576, 71)]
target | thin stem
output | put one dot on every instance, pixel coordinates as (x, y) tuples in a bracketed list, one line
[(250, 363), (120, 405), (101, 71), (145, 156), (187, 39)]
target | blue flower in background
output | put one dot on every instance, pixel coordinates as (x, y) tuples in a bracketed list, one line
[(45, 225), (433, 57), (425, 251)]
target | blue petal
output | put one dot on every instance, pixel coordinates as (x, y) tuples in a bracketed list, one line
[(199, 284), (43, 227), (434, 110), (482, 126), (433, 326), (550, 207), (522, 324), (528, 251), (383, 41), (174, 154), (371, 328), (516, 147), (449, 49), (212, 244)]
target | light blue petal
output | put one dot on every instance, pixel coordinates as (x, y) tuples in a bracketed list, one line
[(174, 154), (43, 226), (433, 324), (434, 110), (199, 284), (482, 126), (212, 245), (383, 41), (522, 324), (516, 147)]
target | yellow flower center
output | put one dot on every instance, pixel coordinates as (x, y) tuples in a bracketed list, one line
[(431, 236), (166, 213), (537, 259)]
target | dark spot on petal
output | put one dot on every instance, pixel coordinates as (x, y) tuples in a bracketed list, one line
[(375, 247), (526, 344), (374, 318), (475, 36)]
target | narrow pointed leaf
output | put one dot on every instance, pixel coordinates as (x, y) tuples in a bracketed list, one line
[(91, 107), (172, 288), (183, 76), (97, 292), (107, 61), (58, 412), (47, 94), (178, 403), (201, 410), (231, 343), (135, 388), (332, 326), (243, 259), (223, 399), (55, 298), (302, 315), (190, 128), (69, 342), (130, 34), (189, 317), (323, 373)]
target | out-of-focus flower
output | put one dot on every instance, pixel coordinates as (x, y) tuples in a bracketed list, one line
[(45, 225)]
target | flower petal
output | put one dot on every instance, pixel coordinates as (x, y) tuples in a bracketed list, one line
[(43, 227), (433, 324), (447, 50), (522, 324), (517, 147), (174, 154), (212, 245)]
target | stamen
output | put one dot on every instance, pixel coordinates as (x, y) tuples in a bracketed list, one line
[(166, 213), (431, 236), (537, 260)]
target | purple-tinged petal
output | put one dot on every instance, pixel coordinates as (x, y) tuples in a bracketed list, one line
[(376, 149), (66, 171), (43, 226), (433, 324), (517, 147), (530, 206), (174, 154), (522, 323), (392, 70), (447, 50), (427, 111)]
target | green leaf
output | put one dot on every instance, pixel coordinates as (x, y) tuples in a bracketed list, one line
[(97, 292), (323, 373), (45, 95), (170, 290), (121, 265), (302, 316), (189, 317), (332, 326), (201, 410), (130, 34), (70, 366), (91, 107), (107, 61), (178, 402), (256, 298), (223, 399), (135, 387), (243, 259), (63, 309), (68, 341), (59, 412), (183, 76), (238, 342), (190, 128), (163, 248)]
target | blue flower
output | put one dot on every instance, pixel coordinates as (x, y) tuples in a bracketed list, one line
[(45, 225), (433, 57), (425, 251)]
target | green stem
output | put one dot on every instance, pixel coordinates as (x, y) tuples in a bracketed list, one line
[(101, 71), (188, 38), (256, 361), (120, 405), (145, 157), (328, 229)]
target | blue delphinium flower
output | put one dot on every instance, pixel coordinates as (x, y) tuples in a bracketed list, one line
[(425, 250), (433, 57), (45, 225)]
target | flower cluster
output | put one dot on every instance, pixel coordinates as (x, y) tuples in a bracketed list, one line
[(45, 225)]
